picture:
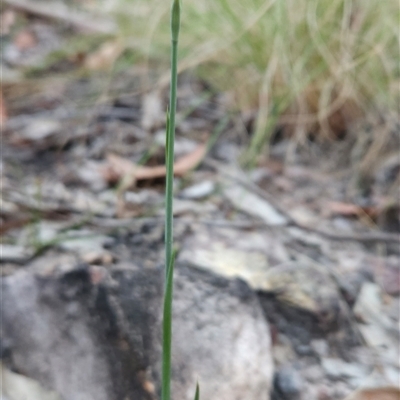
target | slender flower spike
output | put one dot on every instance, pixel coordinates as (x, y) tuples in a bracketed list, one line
[(175, 20), (197, 394)]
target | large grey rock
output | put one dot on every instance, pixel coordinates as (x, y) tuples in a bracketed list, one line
[(91, 333), (220, 339)]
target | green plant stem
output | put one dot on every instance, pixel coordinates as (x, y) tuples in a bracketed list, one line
[(169, 256), (167, 332), (175, 19)]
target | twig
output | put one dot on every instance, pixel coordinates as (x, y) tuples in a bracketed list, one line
[(371, 237), (105, 221), (291, 222)]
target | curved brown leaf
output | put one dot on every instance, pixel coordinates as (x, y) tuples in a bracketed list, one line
[(386, 393), (118, 167)]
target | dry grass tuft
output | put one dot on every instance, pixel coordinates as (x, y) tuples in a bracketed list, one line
[(310, 65)]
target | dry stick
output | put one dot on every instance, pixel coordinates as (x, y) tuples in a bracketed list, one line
[(107, 223), (113, 223), (365, 237)]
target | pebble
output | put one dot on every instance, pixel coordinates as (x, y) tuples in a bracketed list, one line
[(313, 373), (336, 368), (199, 190), (320, 347), (40, 129), (98, 257), (289, 383), (304, 350), (14, 253)]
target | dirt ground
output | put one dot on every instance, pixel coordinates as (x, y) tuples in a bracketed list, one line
[(313, 229)]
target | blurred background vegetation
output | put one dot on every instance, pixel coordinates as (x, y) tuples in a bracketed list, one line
[(315, 66), (311, 67)]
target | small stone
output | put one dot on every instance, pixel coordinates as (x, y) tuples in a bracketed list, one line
[(289, 383), (84, 242), (40, 129), (23, 387), (254, 205), (153, 115), (320, 347), (304, 350), (98, 257), (336, 369), (107, 258), (14, 253), (198, 191), (283, 353), (313, 373)]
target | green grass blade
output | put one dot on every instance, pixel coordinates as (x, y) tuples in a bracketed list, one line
[(167, 332), (197, 395)]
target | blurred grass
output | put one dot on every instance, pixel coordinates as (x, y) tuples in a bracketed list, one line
[(311, 65)]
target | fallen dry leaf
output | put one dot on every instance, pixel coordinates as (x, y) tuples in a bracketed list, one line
[(119, 167), (351, 210), (387, 393)]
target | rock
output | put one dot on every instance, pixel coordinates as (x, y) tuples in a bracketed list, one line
[(320, 347), (313, 373), (336, 368), (288, 383), (40, 129), (380, 332), (199, 190), (12, 253), (304, 350), (377, 328), (153, 115), (84, 241), (233, 254), (18, 387), (386, 272), (229, 348), (306, 297), (89, 173), (98, 257), (253, 205), (94, 333)]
